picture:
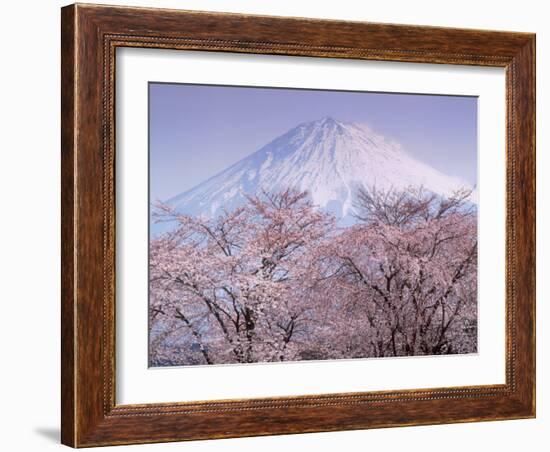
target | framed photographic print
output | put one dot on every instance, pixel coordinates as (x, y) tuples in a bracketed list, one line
[(280, 225)]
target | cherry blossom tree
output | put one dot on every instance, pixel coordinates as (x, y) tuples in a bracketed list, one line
[(277, 279), (408, 273), (236, 284)]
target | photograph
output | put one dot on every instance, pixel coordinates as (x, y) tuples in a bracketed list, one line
[(303, 224), (276, 224)]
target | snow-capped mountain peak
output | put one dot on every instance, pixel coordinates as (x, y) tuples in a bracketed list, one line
[(328, 158)]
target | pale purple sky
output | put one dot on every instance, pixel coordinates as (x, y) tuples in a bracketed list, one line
[(196, 131)]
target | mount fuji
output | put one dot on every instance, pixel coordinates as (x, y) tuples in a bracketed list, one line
[(328, 158)]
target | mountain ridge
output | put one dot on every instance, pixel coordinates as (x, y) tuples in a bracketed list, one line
[(329, 158)]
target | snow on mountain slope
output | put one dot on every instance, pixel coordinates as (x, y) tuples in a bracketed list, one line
[(329, 158)]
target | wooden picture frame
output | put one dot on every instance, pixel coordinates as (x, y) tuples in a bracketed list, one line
[(90, 35)]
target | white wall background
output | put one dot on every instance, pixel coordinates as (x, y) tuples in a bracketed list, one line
[(29, 230)]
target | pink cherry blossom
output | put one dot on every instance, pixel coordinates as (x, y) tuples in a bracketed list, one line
[(278, 279)]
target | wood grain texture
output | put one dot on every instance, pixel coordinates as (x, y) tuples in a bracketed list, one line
[(67, 225), (90, 36)]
